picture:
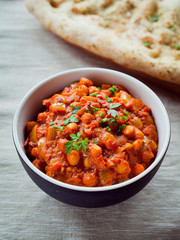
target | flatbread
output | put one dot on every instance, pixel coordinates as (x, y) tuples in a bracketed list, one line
[(143, 35)]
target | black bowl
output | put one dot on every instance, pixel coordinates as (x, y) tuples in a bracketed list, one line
[(89, 196)]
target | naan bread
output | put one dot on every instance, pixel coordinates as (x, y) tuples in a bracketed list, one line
[(143, 35)]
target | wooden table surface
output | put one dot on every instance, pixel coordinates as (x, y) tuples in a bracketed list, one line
[(28, 54)]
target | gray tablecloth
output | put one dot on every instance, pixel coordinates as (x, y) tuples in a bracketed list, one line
[(28, 54)]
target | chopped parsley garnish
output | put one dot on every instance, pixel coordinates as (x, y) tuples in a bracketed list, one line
[(108, 128), (88, 110), (113, 90), (146, 43), (114, 105), (99, 88), (95, 109), (76, 143), (121, 127), (126, 113), (76, 109), (113, 113), (108, 99), (172, 27), (155, 18), (111, 120), (124, 117), (178, 47), (102, 115), (72, 118), (93, 94), (51, 123)]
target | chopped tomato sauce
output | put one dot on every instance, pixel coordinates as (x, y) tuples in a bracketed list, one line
[(92, 136)]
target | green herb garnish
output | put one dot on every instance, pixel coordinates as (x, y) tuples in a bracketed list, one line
[(154, 19), (178, 47), (72, 118), (95, 109), (121, 127), (172, 27), (88, 110), (113, 90), (58, 127), (108, 128), (147, 43), (76, 143), (113, 113), (102, 115), (99, 88), (76, 109), (126, 113), (93, 94), (51, 123), (114, 105), (124, 117), (108, 99)]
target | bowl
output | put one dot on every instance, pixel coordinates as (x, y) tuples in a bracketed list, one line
[(89, 197)]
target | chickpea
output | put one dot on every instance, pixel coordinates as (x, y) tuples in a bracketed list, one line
[(61, 143), (146, 156), (73, 158), (129, 131), (87, 118), (95, 151), (109, 141), (85, 81), (87, 163), (90, 179), (71, 128), (82, 91)]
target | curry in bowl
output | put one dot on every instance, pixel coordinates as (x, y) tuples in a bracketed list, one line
[(92, 136)]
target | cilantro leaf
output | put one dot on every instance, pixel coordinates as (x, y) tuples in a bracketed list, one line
[(114, 105), (121, 127), (75, 137), (68, 146), (51, 123), (124, 117), (72, 118), (155, 18), (108, 128), (76, 109), (113, 113), (75, 147), (94, 140), (58, 127), (108, 99)]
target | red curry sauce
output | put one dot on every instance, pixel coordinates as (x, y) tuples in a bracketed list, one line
[(92, 136)]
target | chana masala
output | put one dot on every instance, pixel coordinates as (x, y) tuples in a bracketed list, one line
[(92, 136)]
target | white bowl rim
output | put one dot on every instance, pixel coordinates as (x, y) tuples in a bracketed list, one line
[(19, 148)]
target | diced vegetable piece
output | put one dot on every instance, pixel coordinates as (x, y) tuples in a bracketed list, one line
[(137, 144), (30, 125), (82, 91), (58, 107), (51, 133), (90, 179), (123, 167), (105, 177), (146, 156), (74, 85), (109, 140), (137, 169), (33, 134), (61, 143), (137, 122)]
